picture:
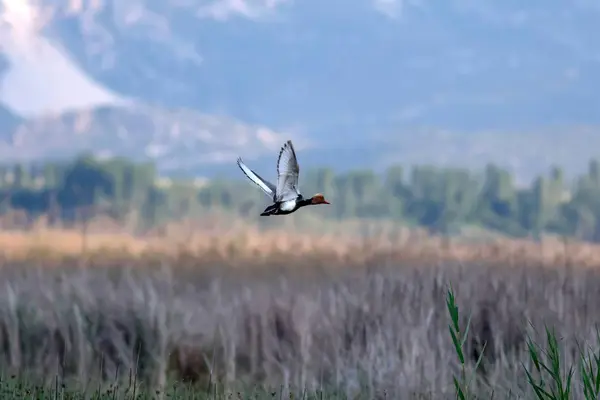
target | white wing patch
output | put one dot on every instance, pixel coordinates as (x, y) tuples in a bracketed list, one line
[(287, 173), (266, 186)]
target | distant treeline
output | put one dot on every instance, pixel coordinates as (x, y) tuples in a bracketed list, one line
[(441, 199)]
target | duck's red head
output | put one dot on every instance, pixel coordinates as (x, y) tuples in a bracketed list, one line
[(319, 199)]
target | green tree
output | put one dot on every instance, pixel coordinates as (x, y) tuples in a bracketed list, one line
[(83, 182), (395, 191), (18, 176)]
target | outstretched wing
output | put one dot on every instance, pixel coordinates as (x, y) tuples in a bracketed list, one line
[(265, 185), (287, 173)]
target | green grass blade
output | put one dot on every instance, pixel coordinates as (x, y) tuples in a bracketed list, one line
[(533, 354), (457, 347), (459, 391), (464, 339), (538, 389)]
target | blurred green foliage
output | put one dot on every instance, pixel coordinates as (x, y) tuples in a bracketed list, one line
[(441, 199)]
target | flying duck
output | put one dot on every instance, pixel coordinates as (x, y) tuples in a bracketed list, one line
[(286, 197)]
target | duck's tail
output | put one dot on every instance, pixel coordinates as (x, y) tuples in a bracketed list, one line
[(271, 210)]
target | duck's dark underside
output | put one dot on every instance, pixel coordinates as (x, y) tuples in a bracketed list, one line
[(274, 209)]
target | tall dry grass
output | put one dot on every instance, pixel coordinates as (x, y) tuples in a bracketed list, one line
[(383, 327), (322, 310)]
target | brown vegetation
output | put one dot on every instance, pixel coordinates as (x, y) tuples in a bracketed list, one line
[(249, 245), (380, 320)]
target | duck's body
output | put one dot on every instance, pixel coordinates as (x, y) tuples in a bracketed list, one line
[(286, 207), (286, 197)]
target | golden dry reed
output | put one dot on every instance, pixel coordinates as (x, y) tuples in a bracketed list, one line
[(245, 243)]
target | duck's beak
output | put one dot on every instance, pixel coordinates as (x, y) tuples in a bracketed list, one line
[(326, 202)]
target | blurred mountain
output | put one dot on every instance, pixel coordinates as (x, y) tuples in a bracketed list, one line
[(179, 139), (355, 80)]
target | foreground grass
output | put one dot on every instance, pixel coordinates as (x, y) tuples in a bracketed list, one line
[(374, 332), (548, 378), (20, 389)]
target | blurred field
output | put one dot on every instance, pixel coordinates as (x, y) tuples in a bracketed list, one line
[(302, 310), (244, 244)]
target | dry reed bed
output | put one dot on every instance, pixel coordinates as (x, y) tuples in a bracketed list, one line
[(384, 326), (246, 246)]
